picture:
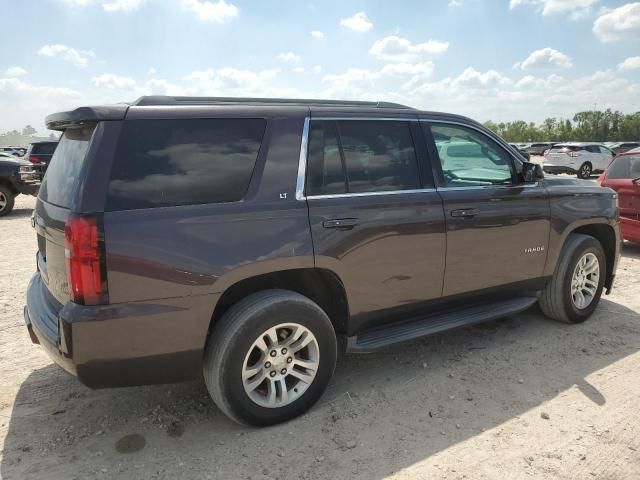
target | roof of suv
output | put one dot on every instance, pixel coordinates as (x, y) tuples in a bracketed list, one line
[(82, 115)]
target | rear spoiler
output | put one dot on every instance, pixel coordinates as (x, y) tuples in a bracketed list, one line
[(84, 115)]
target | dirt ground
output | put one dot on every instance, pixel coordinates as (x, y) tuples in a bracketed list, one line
[(518, 398)]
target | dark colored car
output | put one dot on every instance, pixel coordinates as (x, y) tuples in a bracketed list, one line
[(17, 177), (41, 153), (538, 148), (623, 176), (521, 151), (252, 239), (622, 147)]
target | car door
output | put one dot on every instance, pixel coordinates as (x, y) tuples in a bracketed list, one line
[(497, 227), (623, 175), (376, 218)]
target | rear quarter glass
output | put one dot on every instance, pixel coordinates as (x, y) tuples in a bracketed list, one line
[(62, 178), (161, 163)]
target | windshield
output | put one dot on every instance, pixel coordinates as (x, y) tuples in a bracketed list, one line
[(61, 179)]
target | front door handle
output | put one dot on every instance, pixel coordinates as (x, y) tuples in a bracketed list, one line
[(465, 212), (345, 223)]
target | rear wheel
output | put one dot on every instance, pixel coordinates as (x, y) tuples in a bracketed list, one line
[(576, 286), (270, 357), (7, 199), (585, 170)]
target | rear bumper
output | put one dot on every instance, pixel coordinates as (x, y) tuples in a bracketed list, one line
[(124, 344)]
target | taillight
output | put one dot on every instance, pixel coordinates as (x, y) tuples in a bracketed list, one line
[(545, 153), (34, 159), (573, 154), (86, 266)]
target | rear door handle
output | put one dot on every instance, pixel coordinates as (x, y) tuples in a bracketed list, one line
[(465, 212), (345, 223)]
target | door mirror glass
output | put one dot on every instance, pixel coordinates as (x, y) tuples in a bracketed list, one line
[(532, 172)]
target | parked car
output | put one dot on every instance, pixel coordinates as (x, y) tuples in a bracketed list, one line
[(520, 150), (623, 176), (15, 151), (41, 153), (538, 148), (251, 239), (578, 158), (16, 177), (621, 147)]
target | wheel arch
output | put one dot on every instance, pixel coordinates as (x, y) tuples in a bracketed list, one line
[(322, 286)]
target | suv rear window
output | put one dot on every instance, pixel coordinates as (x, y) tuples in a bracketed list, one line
[(162, 163), (358, 156), (43, 148), (59, 184), (627, 166)]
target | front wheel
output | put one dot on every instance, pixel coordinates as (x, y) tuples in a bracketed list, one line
[(270, 357), (7, 199), (574, 291)]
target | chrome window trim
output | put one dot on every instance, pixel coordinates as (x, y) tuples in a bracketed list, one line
[(304, 145), (302, 162), (484, 187), (371, 194)]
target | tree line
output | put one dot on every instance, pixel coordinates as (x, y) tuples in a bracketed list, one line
[(590, 126)]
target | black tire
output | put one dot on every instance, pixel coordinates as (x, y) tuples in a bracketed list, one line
[(9, 200), (585, 171), (556, 299), (234, 334)]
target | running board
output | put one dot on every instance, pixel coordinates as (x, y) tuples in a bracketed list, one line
[(408, 330)]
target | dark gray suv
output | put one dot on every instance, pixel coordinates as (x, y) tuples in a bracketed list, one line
[(254, 239)]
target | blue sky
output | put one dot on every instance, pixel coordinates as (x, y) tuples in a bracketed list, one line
[(499, 60)]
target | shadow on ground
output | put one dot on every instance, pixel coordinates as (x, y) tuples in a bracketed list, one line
[(382, 413), (19, 213)]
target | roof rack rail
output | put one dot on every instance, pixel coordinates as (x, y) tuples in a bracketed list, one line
[(157, 100)]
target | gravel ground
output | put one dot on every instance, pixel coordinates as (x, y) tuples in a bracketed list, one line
[(522, 397)]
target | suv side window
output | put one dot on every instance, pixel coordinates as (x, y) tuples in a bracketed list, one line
[(469, 158), (605, 150), (357, 156), (592, 149), (161, 163)]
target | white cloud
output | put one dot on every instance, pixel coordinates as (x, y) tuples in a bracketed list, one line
[(545, 58), (289, 57), (79, 58), (455, 3), (397, 49), (317, 34), (298, 70), (218, 12), (317, 68), (618, 24), (152, 71), (29, 103), (110, 81), (15, 71), (111, 5), (631, 63), (577, 8), (358, 23)]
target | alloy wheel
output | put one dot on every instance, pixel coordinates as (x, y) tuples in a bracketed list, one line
[(280, 365), (585, 280)]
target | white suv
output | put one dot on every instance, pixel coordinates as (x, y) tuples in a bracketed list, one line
[(580, 158)]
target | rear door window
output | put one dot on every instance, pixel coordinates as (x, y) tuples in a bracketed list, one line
[(162, 163), (360, 156), (60, 182), (44, 148)]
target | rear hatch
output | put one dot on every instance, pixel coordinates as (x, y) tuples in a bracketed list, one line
[(54, 206), (562, 154)]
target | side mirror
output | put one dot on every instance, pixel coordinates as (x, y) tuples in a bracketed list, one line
[(532, 172)]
